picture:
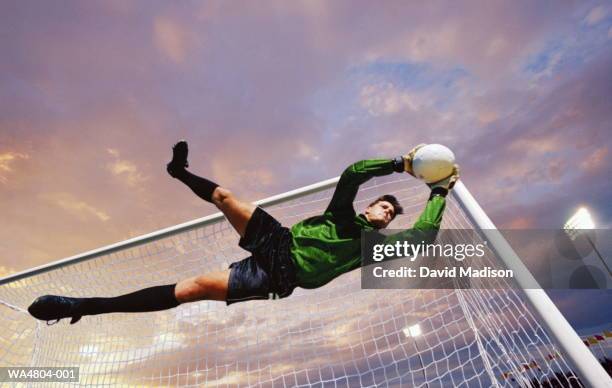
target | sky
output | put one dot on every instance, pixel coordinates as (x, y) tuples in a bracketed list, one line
[(277, 96)]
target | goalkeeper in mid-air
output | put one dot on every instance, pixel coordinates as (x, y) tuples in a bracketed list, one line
[(309, 254)]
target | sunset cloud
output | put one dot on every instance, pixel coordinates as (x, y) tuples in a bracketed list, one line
[(595, 159), (75, 207), (537, 144), (386, 99), (596, 15), (5, 271), (240, 177), (521, 222), (305, 151), (7, 161), (276, 97), (124, 169), (170, 38)]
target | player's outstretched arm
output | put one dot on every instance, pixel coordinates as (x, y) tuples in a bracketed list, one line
[(427, 225), (355, 175)]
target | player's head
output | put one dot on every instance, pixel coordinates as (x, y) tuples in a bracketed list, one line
[(383, 210)]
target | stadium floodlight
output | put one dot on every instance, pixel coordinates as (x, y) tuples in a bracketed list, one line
[(577, 224), (415, 331), (580, 221), (339, 334), (412, 331)]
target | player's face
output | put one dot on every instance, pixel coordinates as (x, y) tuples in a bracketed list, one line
[(380, 214)]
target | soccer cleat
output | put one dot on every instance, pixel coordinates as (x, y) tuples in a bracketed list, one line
[(49, 307), (179, 159)]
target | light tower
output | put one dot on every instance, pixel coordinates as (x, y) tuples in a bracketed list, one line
[(577, 224)]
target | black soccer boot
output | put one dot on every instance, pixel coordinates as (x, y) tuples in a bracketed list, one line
[(49, 307), (179, 159)]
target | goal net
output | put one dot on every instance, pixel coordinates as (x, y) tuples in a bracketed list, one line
[(337, 335)]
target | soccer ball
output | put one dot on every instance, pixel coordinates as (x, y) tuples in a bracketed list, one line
[(433, 163)]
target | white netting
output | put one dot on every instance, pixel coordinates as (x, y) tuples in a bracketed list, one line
[(337, 335)]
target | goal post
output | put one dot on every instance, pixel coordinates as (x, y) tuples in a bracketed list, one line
[(584, 362), (336, 335)]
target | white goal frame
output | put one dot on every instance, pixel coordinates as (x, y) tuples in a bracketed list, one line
[(582, 360)]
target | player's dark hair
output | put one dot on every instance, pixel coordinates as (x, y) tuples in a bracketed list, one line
[(397, 208)]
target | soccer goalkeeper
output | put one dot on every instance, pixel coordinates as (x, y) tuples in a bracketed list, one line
[(309, 254)]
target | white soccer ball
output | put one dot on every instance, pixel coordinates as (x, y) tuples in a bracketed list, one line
[(433, 163)]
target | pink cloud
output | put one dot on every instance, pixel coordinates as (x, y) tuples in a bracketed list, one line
[(7, 161), (170, 38), (595, 159), (95, 76), (596, 15), (521, 222)]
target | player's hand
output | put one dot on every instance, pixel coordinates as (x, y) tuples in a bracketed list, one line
[(446, 184), (409, 157)]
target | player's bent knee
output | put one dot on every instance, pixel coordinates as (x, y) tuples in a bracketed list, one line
[(185, 290), (221, 195)]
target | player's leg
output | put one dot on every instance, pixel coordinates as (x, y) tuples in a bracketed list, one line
[(212, 286), (50, 307), (237, 212)]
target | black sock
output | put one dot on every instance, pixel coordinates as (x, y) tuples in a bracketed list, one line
[(148, 299), (201, 186)]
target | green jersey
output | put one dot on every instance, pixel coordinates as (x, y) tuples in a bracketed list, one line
[(326, 246)]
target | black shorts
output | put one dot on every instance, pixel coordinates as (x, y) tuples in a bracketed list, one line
[(270, 272)]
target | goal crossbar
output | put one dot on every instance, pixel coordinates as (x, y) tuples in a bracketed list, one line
[(166, 232), (581, 359)]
